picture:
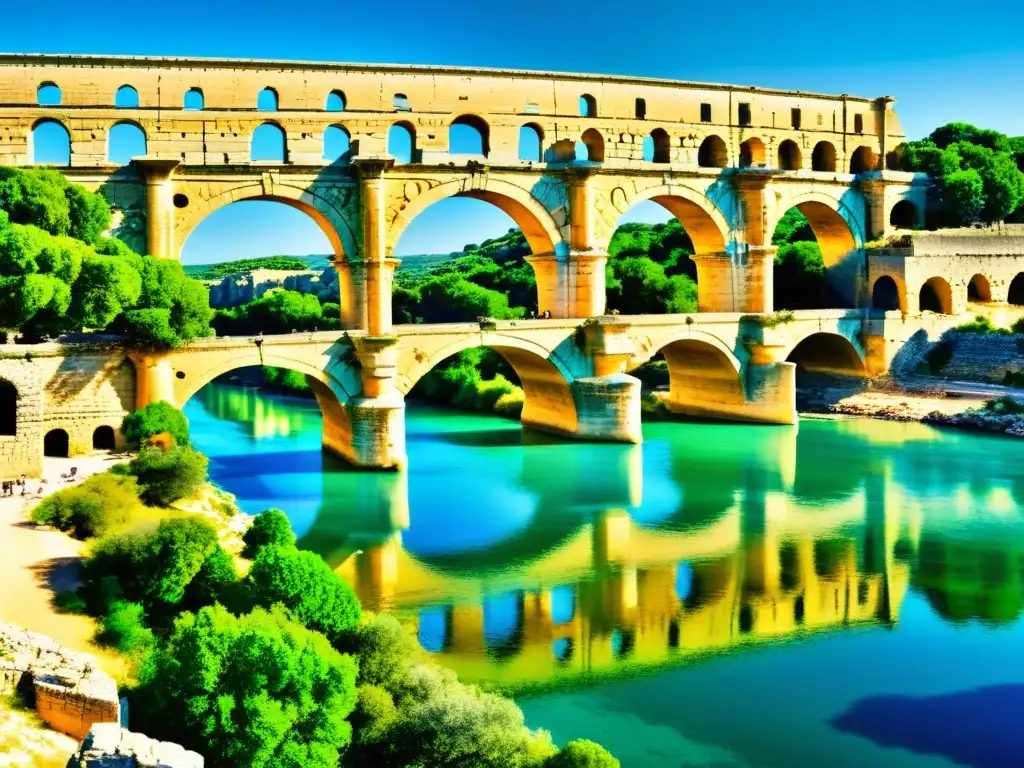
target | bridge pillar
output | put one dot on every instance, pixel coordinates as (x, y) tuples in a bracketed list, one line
[(352, 293), (572, 286), (376, 275), (159, 205), (375, 435), (154, 379), (608, 408), (741, 282)]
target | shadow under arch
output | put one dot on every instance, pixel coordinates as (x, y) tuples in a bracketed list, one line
[(542, 232), (828, 353), (546, 380)]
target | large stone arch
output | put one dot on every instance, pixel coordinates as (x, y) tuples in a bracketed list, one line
[(705, 376), (538, 224), (310, 200), (197, 377), (546, 379), (838, 229), (703, 221)]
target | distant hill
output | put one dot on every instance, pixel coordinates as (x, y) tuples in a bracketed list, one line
[(412, 266)]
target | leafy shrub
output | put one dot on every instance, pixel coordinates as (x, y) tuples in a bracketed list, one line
[(156, 418), (124, 628), (385, 650), (167, 476), (510, 405), (166, 570), (1014, 379), (69, 601), (253, 691), (1004, 405), (271, 527), (100, 503), (582, 753), (980, 325), (304, 584), (488, 393)]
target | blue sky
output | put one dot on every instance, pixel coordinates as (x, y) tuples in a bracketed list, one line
[(942, 61)]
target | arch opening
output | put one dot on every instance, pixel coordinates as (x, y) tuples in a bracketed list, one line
[(904, 215), (811, 268), (194, 100), (885, 294), (51, 143), (104, 439), (8, 409), (823, 157), (263, 233), (863, 160), (531, 143), (335, 102), (337, 145), (650, 269), (752, 153), (588, 106), (829, 354), (591, 146), (789, 156), (266, 100), (978, 289), (125, 142), (544, 402), (661, 146), (703, 379), (48, 94), (936, 296), (469, 135), (1015, 294), (126, 97), (268, 144), (712, 153), (402, 143), (56, 444)]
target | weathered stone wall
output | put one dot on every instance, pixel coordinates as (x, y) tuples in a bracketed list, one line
[(984, 357), (79, 392), (110, 746), (70, 693)]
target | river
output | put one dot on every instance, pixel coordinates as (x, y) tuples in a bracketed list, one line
[(841, 593)]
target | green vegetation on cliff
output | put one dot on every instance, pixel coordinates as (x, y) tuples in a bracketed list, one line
[(228, 268)]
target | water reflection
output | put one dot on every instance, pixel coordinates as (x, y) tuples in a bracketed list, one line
[(566, 562)]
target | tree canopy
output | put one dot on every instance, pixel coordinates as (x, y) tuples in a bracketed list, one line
[(977, 173), (59, 273)]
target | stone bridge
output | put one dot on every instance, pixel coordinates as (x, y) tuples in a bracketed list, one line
[(564, 155), (574, 374)]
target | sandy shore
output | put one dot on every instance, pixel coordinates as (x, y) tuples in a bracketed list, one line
[(37, 562)]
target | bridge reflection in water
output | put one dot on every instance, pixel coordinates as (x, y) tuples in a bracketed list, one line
[(630, 558)]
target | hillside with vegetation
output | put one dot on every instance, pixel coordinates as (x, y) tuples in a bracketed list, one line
[(228, 268)]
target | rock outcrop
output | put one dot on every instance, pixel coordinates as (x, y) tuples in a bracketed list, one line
[(108, 745)]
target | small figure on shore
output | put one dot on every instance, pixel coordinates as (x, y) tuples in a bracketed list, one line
[(23, 481), (8, 487)]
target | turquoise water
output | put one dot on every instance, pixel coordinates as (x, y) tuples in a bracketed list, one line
[(844, 593)]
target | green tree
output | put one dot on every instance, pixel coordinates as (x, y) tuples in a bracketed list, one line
[(799, 276), (302, 582), (256, 691), (155, 419), (964, 193), (167, 476), (269, 528), (582, 754), (277, 311), (92, 508)]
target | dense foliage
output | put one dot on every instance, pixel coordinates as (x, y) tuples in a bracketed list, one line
[(59, 273), (270, 528), (278, 311), (138, 427), (475, 380), (254, 691), (166, 476), (91, 508), (977, 173), (303, 583)]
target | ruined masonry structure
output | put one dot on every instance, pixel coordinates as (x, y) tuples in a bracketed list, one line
[(564, 155)]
